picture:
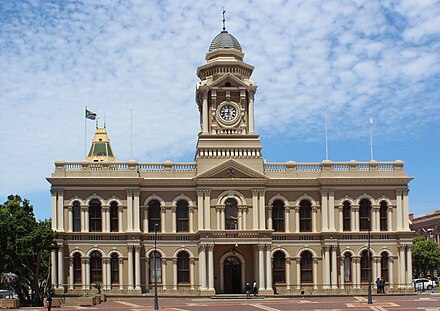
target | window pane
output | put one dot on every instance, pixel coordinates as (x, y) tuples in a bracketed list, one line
[(347, 216), (183, 268), (114, 217), (306, 267), (114, 264), (278, 216), (365, 215), (76, 210), (231, 214), (95, 216), (155, 264), (305, 215), (182, 216), (153, 215), (383, 216)]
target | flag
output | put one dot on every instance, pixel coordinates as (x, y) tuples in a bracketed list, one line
[(371, 118), (90, 115)]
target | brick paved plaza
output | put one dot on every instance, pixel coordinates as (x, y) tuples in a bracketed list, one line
[(427, 302)]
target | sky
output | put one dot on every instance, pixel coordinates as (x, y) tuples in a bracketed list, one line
[(134, 62)]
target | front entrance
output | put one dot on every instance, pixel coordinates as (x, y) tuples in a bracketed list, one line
[(232, 275)]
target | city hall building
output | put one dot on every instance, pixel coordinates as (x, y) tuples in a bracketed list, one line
[(208, 227)]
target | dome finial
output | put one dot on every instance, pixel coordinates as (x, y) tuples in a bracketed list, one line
[(224, 20)]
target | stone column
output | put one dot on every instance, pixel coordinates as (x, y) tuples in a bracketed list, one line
[(60, 210), (105, 218), (390, 218), (374, 218), (106, 281), (341, 218), (207, 209), (391, 272), (70, 218), (251, 112), (219, 213), (54, 209), (269, 218), (240, 218), (353, 272), (164, 273), (175, 274), (408, 265), (245, 211), (61, 266), (261, 284), (200, 210), (334, 274), (83, 272), (71, 274), (174, 219), (401, 266), (255, 224), (205, 111), (121, 273), (262, 215), (210, 266), (314, 211), (405, 211), (87, 265), (287, 218), (54, 267), (355, 220), (287, 267), (202, 266), (399, 209), (130, 268), (315, 273), (255, 249), (146, 226), (129, 210), (326, 268), (192, 263), (331, 209), (137, 268), (324, 210), (268, 268), (374, 266), (136, 211), (191, 219), (120, 214), (222, 218), (341, 273), (298, 272), (163, 213), (296, 219), (86, 219)]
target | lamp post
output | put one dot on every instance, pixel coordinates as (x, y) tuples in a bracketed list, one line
[(156, 302), (370, 299)]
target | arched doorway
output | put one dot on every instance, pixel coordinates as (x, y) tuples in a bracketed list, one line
[(232, 275)]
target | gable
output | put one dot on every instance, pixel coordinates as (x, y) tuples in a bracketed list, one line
[(231, 169), (233, 80)]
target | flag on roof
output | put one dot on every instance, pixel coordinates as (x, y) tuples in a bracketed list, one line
[(90, 115)]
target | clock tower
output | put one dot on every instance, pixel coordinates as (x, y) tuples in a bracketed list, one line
[(225, 97)]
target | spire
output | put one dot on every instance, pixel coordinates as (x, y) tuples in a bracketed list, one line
[(101, 149), (224, 20)]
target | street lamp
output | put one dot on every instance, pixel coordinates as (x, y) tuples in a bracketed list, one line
[(370, 299), (156, 302)]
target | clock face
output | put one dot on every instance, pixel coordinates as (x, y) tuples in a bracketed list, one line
[(228, 112)]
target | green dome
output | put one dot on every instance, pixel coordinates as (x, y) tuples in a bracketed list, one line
[(224, 40)]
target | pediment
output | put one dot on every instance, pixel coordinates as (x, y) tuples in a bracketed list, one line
[(228, 78), (230, 169)]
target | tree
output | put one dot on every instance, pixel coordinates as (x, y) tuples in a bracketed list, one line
[(25, 249), (426, 256), (9, 279)]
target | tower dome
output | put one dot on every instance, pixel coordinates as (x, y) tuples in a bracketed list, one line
[(224, 40)]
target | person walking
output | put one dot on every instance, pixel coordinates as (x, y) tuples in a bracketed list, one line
[(378, 284), (248, 290), (255, 288), (49, 298), (382, 285)]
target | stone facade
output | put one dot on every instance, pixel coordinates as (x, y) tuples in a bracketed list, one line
[(229, 217)]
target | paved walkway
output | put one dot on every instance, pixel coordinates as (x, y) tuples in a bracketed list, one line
[(356, 303)]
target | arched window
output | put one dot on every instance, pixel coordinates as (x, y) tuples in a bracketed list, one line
[(346, 214), (95, 218), (182, 216), (306, 267), (279, 267), (153, 216), (155, 264), (347, 268), (183, 268), (77, 268), (76, 210), (365, 266), (114, 266), (95, 267), (384, 266), (278, 216), (383, 216), (365, 215), (114, 217), (231, 214), (305, 216)]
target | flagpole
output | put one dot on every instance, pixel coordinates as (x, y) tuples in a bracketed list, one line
[(131, 133), (371, 136), (326, 135), (85, 133)]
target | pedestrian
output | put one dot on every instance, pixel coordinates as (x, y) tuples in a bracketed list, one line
[(378, 283), (248, 290), (382, 285), (255, 288), (49, 298)]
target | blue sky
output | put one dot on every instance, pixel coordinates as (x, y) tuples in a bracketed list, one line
[(346, 57)]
